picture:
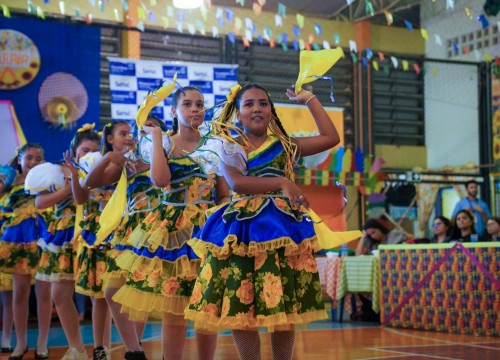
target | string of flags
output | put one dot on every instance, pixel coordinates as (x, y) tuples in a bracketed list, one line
[(247, 29)]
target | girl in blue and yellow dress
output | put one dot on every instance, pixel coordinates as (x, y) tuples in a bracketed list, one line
[(18, 242), (55, 278), (161, 266), (142, 196), (259, 269), (7, 175), (97, 228)]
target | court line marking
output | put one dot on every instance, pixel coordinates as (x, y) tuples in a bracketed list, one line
[(409, 353)]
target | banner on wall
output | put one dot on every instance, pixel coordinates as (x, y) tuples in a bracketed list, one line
[(19, 60), (130, 80)]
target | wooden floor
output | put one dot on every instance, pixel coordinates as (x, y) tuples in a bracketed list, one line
[(341, 343)]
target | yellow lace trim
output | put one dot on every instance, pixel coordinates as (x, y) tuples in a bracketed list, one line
[(141, 305), (211, 323), (231, 246), (180, 268), (159, 235)]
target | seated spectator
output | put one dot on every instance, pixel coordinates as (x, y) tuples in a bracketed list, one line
[(376, 232), (493, 229), (442, 229), (463, 227)]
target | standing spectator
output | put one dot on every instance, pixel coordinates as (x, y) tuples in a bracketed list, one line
[(442, 229), (493, 228), (477, 206)]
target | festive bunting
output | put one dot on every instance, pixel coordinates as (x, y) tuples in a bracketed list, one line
[(229, 15), (369, 8), (231, 37), (180, 27), (260, 40), (31, 7), (326, 44), (181, 16), (140, 25), (40, 13), (248, 23), (394, 62), (282, 10), (272, 44), (191, 29), (89, 18), (468, 12), (268, 33), (364, 61), (215, 31), (336, 38), (381, 56), (311, 38), (375, 65), (238, 23), (152, 17), (248, 35), (92, 3), (416, 67), (278, 20), (406, 65), (170, 11), (246, 43), (352, 46), (257, 9), (296, 30), (388, 18), (117, 15), (369, 53), (141, 14), (318, 30), (101, 5), (204, 12), (455, 46), (200, 25), (241, 2), (62, 8), (434, 72), (354, 58), (284, 46), (487, 57), (424, 33), (450, 4), (77, 13), (219, 16), (300, 20), (465, 49), (408, 25), (484, 21), (295, 45), (165, 22), (125, 5), (302, 44), (437, 39), (5, 10)]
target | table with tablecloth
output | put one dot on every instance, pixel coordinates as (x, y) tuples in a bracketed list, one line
[(360, 274), (441, 287)]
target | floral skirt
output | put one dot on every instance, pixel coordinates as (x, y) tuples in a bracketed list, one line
[(90, 270), (58, 266), (6, 282), (275, 289), (158, 283)]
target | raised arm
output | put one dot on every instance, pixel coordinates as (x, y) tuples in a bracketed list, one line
[(328, 136), (160, 171), (80, 194), (108, 170)]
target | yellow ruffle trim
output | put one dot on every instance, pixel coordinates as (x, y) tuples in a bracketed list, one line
[(113, 279), (209, 322), (231, 246), (183, 267), (140, 305), (159, 235), (88, 292)]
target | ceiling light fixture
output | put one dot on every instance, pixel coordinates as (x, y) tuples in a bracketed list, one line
[(188, 4)]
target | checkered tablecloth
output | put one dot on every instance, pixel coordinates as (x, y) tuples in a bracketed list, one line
[(329, 274), (360, 274)]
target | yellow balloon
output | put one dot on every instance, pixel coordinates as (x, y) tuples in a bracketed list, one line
[(153, 99), (316, 62)]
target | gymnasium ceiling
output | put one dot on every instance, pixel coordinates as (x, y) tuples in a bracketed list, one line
[(340, 10)]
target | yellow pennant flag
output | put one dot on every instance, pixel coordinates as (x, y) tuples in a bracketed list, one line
[(375, 65), (406, 65), (112, 214), (151, 100), (425, 34), (6, 11), (329, 239), (141, 14), (300, 20), (316, 62)]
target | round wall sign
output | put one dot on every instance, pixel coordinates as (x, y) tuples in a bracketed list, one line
[(19, 60)]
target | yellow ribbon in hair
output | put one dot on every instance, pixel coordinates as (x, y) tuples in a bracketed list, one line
[(151, 100), (317, 63), (86, 127), (112, 214), (233, 92), (328, 239)]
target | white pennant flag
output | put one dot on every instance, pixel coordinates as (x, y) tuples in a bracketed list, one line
[(450, 4), (394, 62), (278, 20), (215, 31), (248, 35), (352, 46), (191, 29), (248, 23), (437, 38), (326, 44)]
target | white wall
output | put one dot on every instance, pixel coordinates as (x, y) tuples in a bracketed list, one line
[(451, 91)]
